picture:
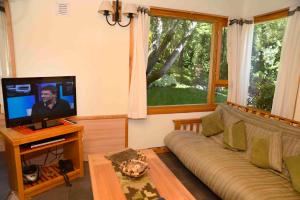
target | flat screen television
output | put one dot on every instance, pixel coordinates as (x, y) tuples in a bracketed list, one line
[(38, 100)]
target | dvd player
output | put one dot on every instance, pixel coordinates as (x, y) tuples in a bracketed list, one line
[(44, 142)]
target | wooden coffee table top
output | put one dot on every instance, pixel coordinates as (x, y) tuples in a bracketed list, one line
[(106, 186)]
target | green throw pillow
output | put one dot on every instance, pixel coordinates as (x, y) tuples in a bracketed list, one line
[(266, 151), (260, 152), (293, 165), (212, 124), (235, 136)]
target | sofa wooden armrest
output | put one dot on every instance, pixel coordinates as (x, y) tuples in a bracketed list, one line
[(187, 124)]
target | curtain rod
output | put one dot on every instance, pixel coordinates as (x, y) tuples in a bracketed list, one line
[(293, 11), (240, 21)]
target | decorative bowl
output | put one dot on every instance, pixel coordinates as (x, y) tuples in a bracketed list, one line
[(134, 168)]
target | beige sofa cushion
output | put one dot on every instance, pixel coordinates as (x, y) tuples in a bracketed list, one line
[(229, 174)]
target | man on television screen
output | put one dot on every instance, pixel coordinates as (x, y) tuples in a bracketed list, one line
[(50, 104)]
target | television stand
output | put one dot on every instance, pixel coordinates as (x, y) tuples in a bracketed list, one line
[(44, 124), (17, 148)]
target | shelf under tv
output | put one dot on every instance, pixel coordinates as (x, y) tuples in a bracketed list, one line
[(49, 177), (15, 150), (28, 150)]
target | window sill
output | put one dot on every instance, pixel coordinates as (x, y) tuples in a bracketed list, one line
[(154, 110)]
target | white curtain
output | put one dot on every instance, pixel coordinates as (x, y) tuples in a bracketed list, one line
[(239, 48), (5, 67), (284, 101), (137, 108)]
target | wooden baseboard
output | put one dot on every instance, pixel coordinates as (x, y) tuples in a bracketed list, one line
[(160, 150)]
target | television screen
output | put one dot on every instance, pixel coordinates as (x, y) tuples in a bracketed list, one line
[(30, 100)]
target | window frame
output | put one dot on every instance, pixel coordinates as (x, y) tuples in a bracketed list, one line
[(271, 16), (218, 23), (220, 82)]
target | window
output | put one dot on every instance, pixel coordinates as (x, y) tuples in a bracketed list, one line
[(221, 84), (187, 60), (221, 94), (267, 43), (179, 61), (223, 75)]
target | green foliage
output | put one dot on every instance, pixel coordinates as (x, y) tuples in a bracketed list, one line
[(266, 51), (192, 65), (224, 64), (174, 96), (221, 94), (165, 81), (186, 82)]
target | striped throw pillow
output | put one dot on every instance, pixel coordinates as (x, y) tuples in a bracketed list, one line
[(266, 152)]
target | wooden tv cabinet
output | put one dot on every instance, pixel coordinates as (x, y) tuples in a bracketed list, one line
[(49, 176)]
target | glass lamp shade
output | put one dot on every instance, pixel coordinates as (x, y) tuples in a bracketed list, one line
[(130, 9), (105, 6)]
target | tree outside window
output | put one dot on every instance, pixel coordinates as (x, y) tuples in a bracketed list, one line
[(267, 43), (179, 62)]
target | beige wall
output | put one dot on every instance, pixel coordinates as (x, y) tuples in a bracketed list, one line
[(150, 132), (257, 7), (82, 44)]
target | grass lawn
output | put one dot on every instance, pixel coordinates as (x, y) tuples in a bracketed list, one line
[(176, 96)]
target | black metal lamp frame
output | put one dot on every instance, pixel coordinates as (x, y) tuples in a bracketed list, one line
[(117, 16)]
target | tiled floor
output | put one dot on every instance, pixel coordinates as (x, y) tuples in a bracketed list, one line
[(81, 189)]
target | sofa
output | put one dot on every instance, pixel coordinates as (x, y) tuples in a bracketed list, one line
[(229, 173)]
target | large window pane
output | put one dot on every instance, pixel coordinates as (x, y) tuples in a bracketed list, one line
[(221, 94), (266, 51), (223, 62), (178, 62)]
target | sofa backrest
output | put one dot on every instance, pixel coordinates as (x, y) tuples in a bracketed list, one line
[(258, 125)]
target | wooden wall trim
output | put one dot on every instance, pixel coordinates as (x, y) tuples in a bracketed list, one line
[(271, 15), (154, 110), (97, 117), (190, 15), (10, 38), (159, 150)]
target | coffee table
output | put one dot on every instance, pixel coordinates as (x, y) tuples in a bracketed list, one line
[(106, 186)]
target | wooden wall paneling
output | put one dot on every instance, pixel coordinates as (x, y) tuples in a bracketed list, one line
[(103, 135)]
